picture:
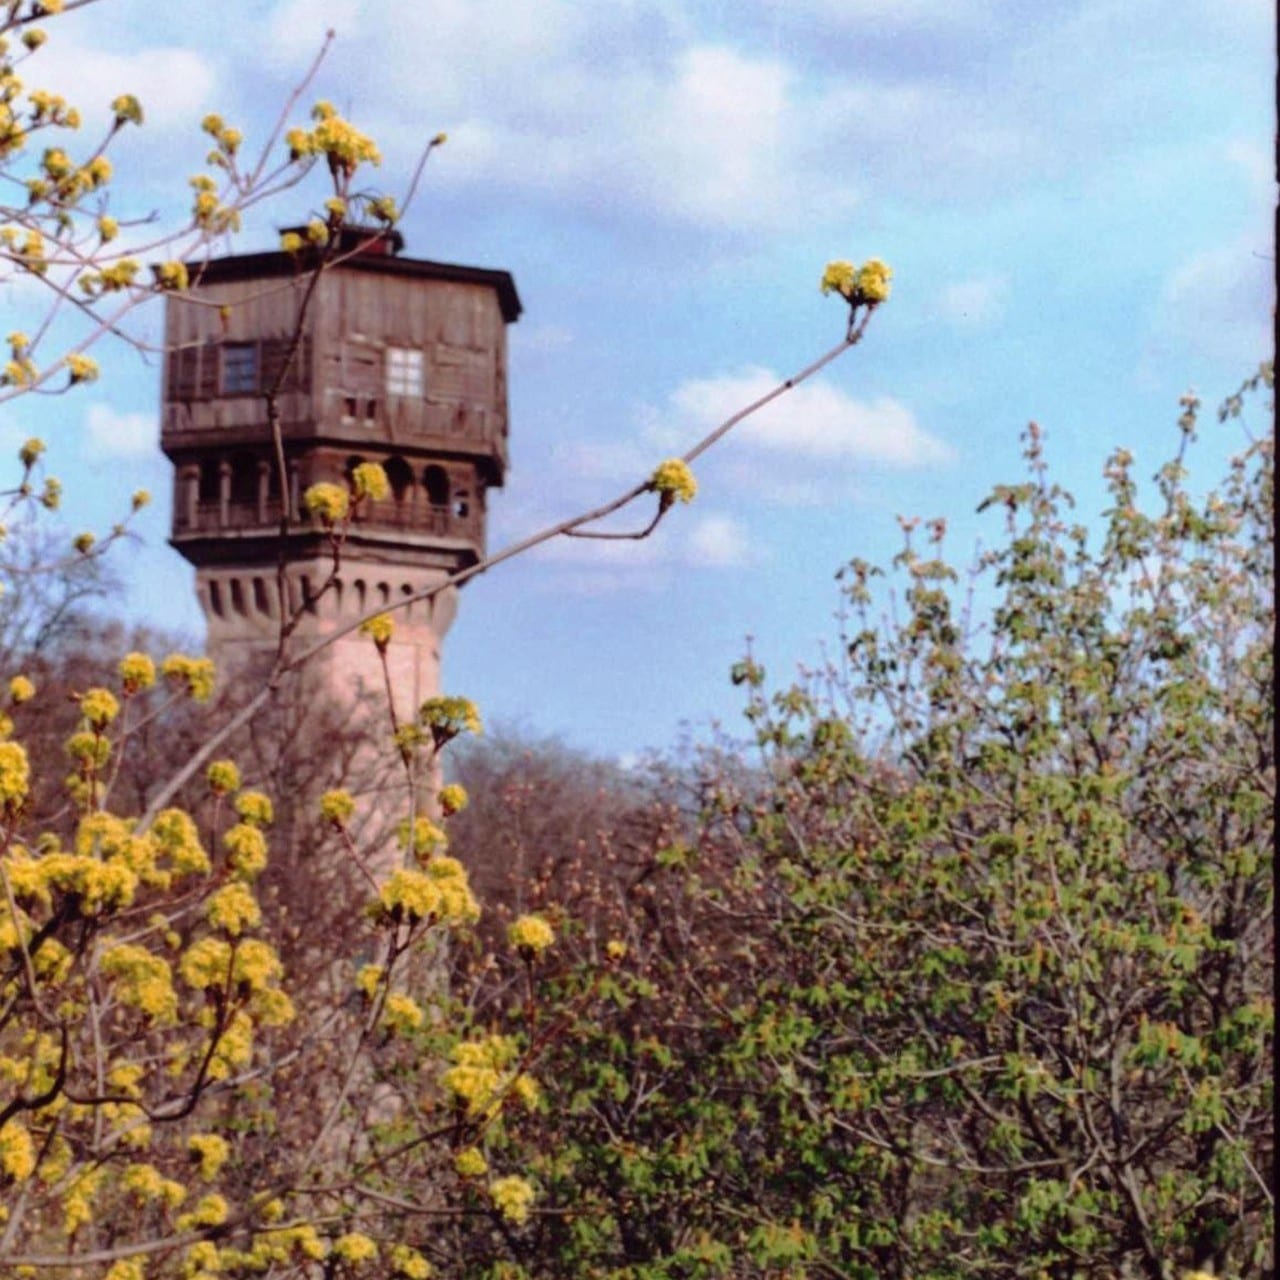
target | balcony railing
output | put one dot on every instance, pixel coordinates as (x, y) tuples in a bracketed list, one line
[(212, 517)]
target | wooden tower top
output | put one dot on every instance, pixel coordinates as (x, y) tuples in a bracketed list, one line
[(397, 360)]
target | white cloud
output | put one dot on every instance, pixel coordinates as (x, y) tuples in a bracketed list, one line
[(110, 434), (718, 542), (174, 85), (974, 303), (816, 422), (1220, 302), (1254, 162)]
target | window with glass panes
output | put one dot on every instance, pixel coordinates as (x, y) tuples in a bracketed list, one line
[(405, 371), (239, 368)]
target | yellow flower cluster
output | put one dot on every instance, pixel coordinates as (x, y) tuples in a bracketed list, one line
[(137, 672), (143, 981), (255, 808), (369, 480), (17, 1151), (337, 140), (531, 935), (453, 799), (21, 690), (197, 674), (409, 1263), (484, 1075), (223, 777), (82, 368), (427, 838), (440, 893), (330, 502), (210, 1151), (15, 775), (448, 717), (401, 1013), (246, 848), (99, 707), (172, 275), (513, 1197), (470, 1163), (355, 1246), (337, 806), (233, 909), (379, 629), (868, 284), (673, 480)]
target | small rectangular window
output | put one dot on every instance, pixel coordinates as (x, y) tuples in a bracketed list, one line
[(239, 368), (405, 371)]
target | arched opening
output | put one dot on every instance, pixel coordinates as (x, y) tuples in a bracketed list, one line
[(360, 595), (400, 474), (210, 480), (436, 482), (244, 478), (261, 602), (215, 598), (237, 598)]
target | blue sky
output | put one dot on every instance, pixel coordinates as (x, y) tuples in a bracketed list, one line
[(1075, 198)]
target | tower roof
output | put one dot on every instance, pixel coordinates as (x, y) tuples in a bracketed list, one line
[(360, 249)]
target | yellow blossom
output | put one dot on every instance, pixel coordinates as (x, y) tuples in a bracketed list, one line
[(21, 689), (196, 673), (673, 480), (453, 799), (255, 808), (368, 979), (427, 837), (15, 774), (99, 707), (401, 1013), (328, 501), (233, 909), (223, 777), (108, 228), (337, 806), (513, 1198), (208, 1211), (291, 242), (369, 480), (379, 629), (615, 949), (210, 1152), (409, 894), (447, 717), (127, 108), (839, 277), (137, 672), (143, 981), (82, 368), (409, 1263), (355, 1247), (470, 1163), (873, 281), (17, 1151), (172, 275), (246, 848), (531, 935)]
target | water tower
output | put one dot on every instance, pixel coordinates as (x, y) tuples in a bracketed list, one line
[(398, 361)]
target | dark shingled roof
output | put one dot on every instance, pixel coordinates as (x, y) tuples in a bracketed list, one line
[(380, 256)]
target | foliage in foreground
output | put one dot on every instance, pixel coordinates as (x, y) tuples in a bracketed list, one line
[(978, 980)]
